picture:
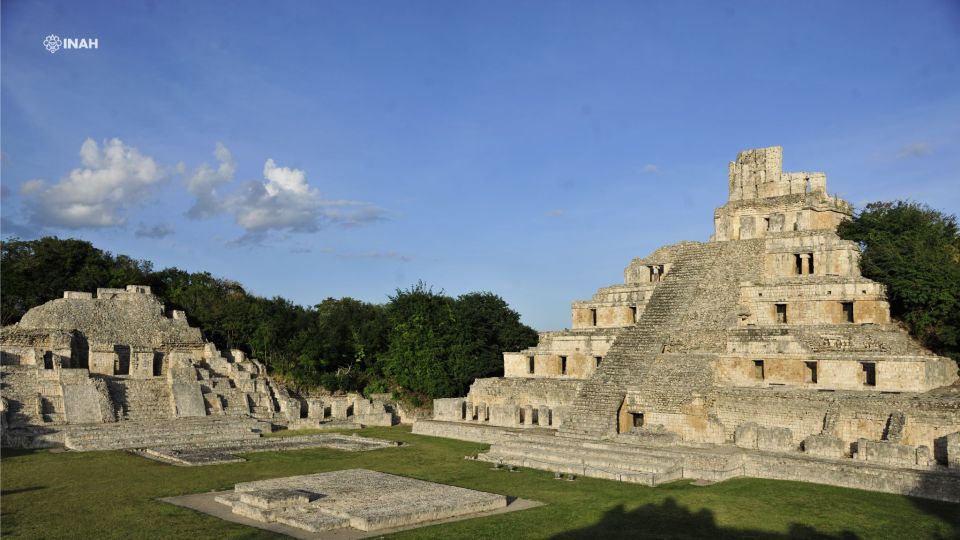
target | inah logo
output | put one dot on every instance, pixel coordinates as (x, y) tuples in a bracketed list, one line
[(53, 43)]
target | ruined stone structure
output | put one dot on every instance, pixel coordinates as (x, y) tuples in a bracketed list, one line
[(762, 352), (111, 370), (357, 499)]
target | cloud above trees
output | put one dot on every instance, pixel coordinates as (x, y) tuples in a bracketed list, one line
[(111, 180), (283, 201), (114, 178)]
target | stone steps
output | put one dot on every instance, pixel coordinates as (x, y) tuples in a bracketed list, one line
[(141, 399), (605, 390), (19, 386), (612, 461), (127, 434), (688, 311)]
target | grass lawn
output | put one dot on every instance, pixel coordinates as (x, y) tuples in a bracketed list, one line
[(111, 495)]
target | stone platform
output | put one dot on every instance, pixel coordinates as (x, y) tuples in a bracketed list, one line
[(652, 465), (346, 504), (214, 453)]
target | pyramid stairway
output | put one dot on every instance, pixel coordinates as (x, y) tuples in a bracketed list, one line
[(593, 413)]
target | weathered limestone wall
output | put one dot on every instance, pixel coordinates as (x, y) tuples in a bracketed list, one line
[(764, 200), (523, 403), (831, 255), (849, 416), (580, 348), (117, 356), (910, 374), (815, 303), (849, 473)]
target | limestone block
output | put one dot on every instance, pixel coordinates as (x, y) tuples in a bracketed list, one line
[(924, 456), (449, 409), (826, 446), (362, 406), (182, 374), (141, 364), (504, 415), (953, 450), (544, 416), (290, 408), (340, 408), (102, 362), (187, 398), (775, 439), (315, 408), (272, 499), (745, 435), (375, 419), (81, 403), (886, 452)]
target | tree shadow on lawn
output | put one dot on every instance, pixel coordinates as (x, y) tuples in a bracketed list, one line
[(944, 511), (670, 520)]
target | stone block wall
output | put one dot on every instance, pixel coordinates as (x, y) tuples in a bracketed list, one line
[(831, 255), (911, 374), (509, 403), (580, 348), (815, 303)]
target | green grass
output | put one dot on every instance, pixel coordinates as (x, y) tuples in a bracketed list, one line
[(112, 495)]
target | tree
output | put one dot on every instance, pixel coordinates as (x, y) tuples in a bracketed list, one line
[(37, 271), (915, 252), (422, 343), (485, 327), (421, 327), (440, 345)]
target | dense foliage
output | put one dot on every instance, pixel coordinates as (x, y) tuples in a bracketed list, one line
[(915, 251), (421, 344)]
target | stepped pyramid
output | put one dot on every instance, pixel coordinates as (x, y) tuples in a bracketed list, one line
[(764, 338)]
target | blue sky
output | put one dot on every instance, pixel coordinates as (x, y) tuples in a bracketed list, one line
[(531, 149)]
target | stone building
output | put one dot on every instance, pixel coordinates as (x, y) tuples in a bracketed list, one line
[(118, 358), (713, 357)]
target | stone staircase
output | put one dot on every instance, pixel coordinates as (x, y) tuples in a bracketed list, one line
[(19, 386), (143, 434), (141, 399), (696, 300), (608, 460), (594, 411)]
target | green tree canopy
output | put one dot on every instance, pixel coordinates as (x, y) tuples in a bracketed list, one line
[(421, 343), (37, 271), (915, 252)]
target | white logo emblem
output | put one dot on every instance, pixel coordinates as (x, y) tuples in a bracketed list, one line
[(52, 43)]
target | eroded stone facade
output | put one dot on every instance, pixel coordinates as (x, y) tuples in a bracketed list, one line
[(765, 338), (118, 356)]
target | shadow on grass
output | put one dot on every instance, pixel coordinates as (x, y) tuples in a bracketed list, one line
[(670, 520), (5, 492), (944, 511)]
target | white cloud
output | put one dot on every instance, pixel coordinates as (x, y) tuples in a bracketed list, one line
[(98, 194), (155, 231), (283, 201), (650, 168), (204, 181), (913, 150)]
